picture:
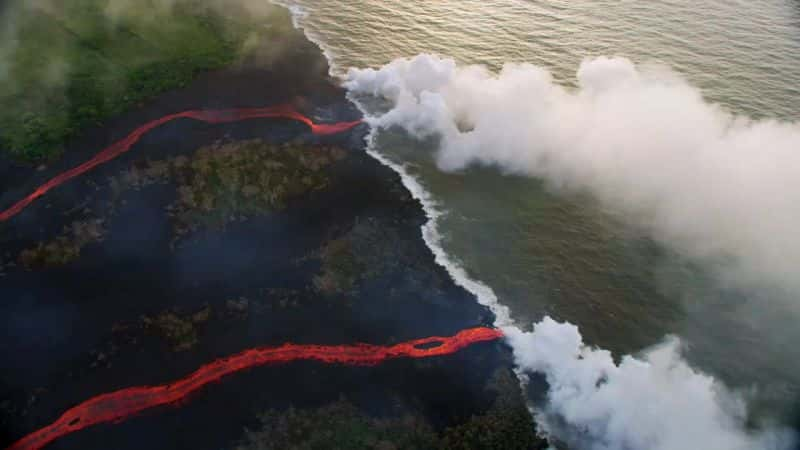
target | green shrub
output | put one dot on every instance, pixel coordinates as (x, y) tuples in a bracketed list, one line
[(71, 66)]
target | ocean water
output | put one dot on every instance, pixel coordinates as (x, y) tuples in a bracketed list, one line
[(545, 252)]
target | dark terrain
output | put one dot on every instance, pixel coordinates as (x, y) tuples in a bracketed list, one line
[(137, 298)]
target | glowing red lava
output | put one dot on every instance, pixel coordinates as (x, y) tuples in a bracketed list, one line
[(210, 116), (119, 405)]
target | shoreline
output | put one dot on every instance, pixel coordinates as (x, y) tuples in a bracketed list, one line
[(78, 330), (429, 231)]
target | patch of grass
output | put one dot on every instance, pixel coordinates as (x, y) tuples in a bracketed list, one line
[(507, 425), (221, 184), (70, 65), (230, 182), (366, 250), (341, 268), (180, 331), (65, 248), (339, 426)]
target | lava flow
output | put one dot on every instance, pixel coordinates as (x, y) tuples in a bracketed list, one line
[(209, 116), (119, 405)]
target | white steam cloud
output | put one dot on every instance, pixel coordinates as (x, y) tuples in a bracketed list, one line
[(717, 187), (656, 402), (642, 140)]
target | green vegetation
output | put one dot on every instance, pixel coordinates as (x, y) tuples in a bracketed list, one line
[(180, 331), (341, 268), (224, 183), (216, 185), (507, 425), (364, 251), (339, 426), (68, 65), (65, 248)]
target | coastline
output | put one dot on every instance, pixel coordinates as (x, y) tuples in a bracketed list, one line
[(430, 231), (69, 313)]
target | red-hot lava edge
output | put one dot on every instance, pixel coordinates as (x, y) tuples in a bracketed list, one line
[(210, 116), (119, 405)]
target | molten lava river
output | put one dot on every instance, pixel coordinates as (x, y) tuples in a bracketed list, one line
[(209, 116), (119, 405)]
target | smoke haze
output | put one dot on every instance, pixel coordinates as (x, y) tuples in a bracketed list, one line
[(656, 402), (713, 186), (718, 188), (21, 29)]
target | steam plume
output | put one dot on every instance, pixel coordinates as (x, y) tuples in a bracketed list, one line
[(717, 187), (656, 402)]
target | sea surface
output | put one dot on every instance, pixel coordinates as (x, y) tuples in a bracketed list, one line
[(561, 255)]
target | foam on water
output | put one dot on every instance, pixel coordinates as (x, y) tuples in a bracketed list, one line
[(433, 211), (578, 373)]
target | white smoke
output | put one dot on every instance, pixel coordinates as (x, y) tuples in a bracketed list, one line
[(643, 141), (657, 402), (716, 187)]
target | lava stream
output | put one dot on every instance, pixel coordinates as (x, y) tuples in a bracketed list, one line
[(209, 116), (119, 405)]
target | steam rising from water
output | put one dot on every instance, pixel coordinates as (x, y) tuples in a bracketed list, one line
[(656, 402), (718, 188), (645, 143)]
